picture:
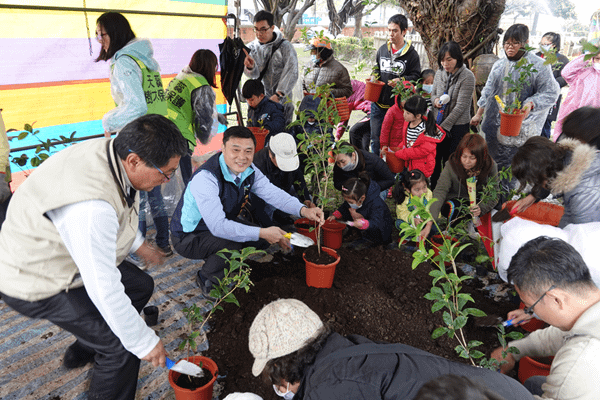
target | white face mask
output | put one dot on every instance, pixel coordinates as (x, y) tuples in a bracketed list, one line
[(314, 58), (355, 206), (428, 88), (596, 66), (350, 165), (288, 395), (545, 47)]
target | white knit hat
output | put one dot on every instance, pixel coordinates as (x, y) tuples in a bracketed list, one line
[(279, 329)]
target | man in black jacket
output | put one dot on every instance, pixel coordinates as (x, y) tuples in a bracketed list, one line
[(395, 60)]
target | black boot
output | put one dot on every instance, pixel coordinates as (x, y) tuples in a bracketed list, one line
[(77, 356)]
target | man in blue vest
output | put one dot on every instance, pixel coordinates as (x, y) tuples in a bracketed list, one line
[(206, 218)]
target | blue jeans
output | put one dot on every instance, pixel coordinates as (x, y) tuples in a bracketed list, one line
[(159, 215), (534, 384), (377, 115)]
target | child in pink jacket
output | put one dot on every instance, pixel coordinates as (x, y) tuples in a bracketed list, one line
[(583, 78)]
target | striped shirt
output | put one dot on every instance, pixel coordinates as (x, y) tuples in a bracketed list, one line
[(413, 133)]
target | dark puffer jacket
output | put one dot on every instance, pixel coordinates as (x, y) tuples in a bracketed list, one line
[(376, 168), (354, 367), (579, 183)]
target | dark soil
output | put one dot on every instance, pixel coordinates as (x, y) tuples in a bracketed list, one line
[(375, 293), (312, 255), (193, 382)]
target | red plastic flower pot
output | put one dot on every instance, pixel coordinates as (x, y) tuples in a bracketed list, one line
[(202, 393), (332, 234), (395, 164), (318, 275), (303, 227), (373, 90), (541, 212), (510, 124), (529, 367), (260, 134)]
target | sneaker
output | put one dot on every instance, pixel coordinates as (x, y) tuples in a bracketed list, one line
[(135, 260), (204, 287), (167, 250)]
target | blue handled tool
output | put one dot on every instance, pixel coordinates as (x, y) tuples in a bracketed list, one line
[(185, 367)]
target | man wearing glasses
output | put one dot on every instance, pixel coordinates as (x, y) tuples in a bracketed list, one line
[(63, 245), (272, 60), (553, 281)]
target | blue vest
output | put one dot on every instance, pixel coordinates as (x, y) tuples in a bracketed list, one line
[(232, 197)]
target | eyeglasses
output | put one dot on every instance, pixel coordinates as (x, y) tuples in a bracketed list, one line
[(100, 35), (513, 45), (261, 30), (160, 170), (529, 310)]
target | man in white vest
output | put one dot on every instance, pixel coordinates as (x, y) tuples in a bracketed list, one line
[(64, 242)]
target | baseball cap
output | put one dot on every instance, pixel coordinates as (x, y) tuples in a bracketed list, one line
[(283, 146)]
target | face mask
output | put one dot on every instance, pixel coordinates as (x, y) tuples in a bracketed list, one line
[(311, 123), (350, 165), (596, 66), (545, 47), (355, 206), (287, 395), (428, 88), (314, 58)]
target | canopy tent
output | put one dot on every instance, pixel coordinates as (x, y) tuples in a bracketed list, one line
[(48, 71)]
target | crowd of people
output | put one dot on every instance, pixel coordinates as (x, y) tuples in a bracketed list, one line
[(66, 253)]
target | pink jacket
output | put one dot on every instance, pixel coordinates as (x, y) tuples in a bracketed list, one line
[(584, 84), (392, 128)]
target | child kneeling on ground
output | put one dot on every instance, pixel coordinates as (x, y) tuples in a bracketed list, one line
[(412, 184), (366, 211)]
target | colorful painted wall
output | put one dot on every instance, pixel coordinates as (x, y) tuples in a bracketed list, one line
[(48, 71)]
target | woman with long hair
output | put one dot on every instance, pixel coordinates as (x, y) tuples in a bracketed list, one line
[(191, 103)]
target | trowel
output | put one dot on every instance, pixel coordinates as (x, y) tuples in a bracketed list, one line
[(185, 367), (299, 240)]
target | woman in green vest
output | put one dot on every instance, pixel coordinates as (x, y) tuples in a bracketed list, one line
[(191, 104), (136, 87)]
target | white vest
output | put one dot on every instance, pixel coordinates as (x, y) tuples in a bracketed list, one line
[(34, 262)]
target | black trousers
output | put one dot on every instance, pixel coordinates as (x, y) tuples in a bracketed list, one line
[(115, 372), (445, 148), (204, 246)]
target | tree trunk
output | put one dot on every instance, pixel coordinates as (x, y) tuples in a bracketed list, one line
[(357, 25), (464, 21), (293, 18)]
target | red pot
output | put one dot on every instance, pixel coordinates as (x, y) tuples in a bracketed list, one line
[(373, 90), (395, 164), (332, 234), (541, 212), (260, 134), (510, 124), (529, 367), (202, 393), (321, 276), (306, 231)]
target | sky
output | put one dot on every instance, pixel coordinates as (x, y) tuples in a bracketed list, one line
[(585, 9)]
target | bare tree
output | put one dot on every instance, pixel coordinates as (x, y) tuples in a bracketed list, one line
[(279, 9), (467, 22), (350, 8)]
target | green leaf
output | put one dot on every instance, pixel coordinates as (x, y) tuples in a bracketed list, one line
[(23, 135), (437, 306), (447, 318), (44, 156), (475, 312), (439, 332), (460, 322), (465, 296), (476, 354), (515, 335), (28, 128)]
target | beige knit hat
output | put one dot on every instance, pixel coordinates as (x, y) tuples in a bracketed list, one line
[(281, 328)]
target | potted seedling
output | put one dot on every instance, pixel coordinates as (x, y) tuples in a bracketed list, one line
[(316, 145), (260, 133), (511, 113), (236, 276), (374, 86)]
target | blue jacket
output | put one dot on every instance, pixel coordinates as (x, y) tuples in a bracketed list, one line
[(376, 212), (269, 115)]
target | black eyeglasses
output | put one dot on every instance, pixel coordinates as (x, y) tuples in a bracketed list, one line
[(261, 30), (529, 310), (160, 170), (513, 45)]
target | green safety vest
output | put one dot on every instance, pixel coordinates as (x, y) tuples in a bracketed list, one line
[(153, 89), (179, 104)]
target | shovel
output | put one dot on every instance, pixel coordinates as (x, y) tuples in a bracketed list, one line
[(185, 367), (492, 320), (299, 240)]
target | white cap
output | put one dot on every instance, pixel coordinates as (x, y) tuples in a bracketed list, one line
[(283, 146), (281, 328)]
